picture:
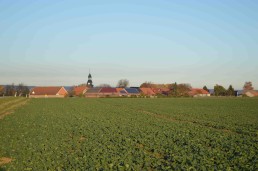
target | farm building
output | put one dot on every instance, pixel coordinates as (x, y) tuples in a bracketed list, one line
[(164, 91), (238, 92), (251, 93), (108, 92), (147, 91), (93, 92), (121, 92), (132, 91), (80, 90), (198, 92), (48, 92)]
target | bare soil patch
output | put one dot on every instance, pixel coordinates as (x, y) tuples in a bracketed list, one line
[(5, 160)]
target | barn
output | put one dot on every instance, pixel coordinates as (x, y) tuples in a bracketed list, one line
[(147, 91), (132, 91), (80, 90), (48, 92), (198, 92), (121, 92), (250, 93), (108, 92), (92, 92)]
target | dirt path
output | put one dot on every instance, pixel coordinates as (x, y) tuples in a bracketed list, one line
[(10, 106), (7, 103)]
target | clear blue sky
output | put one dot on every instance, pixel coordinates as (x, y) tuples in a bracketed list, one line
[(204, 42)]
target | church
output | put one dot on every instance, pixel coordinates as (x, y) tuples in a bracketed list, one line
[(89, 82), (81, 89)]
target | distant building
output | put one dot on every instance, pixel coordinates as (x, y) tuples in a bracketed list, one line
[(238, 92), (48, 92), (147, 91), (250, 93), (163, 91), (132, 91), (121, 92), (198, 92), (93, 92), (108, 92), (80, 90), (89, 82)]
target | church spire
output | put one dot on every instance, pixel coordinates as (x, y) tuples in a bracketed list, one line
[(89, 82)]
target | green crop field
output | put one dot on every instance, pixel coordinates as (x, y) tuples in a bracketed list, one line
[(129, 134)]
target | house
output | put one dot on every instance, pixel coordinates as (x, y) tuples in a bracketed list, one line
[(92, 92), (138, 88), (121, 92), (250, 93), (147, 91), (132, 91), (48, 92), (211, 91), (80, 90), (238, 93), (198, 92), (108, 92), (164, 91)]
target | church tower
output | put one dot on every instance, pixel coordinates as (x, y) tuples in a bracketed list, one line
[(89, 82)]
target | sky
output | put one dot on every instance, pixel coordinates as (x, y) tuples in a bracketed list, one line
[(204, 42)]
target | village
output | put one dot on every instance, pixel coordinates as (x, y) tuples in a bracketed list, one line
[(146, 90)]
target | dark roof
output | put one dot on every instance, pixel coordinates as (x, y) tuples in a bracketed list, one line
[(240, 91), (211, 91), (108, 90), (93, 90), (122, 92), (132, 90), (135, 87)]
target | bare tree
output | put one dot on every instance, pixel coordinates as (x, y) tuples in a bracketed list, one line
[(123, 83), (10, 90), (248, 86), (183, 89), (2, 90), (22, 90), (146, 85)]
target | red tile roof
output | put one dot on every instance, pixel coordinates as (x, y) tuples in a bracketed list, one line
[(108, 90), (195, 91), (147, 91), (160, 90), (119, 89), (47, 91), (253, 92), (79, 90)]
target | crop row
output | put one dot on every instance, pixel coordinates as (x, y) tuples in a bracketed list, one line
[(116, 134)]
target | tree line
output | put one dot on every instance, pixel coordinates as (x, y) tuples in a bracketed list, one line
[(178, 90), (14, 90), (174, 89)]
